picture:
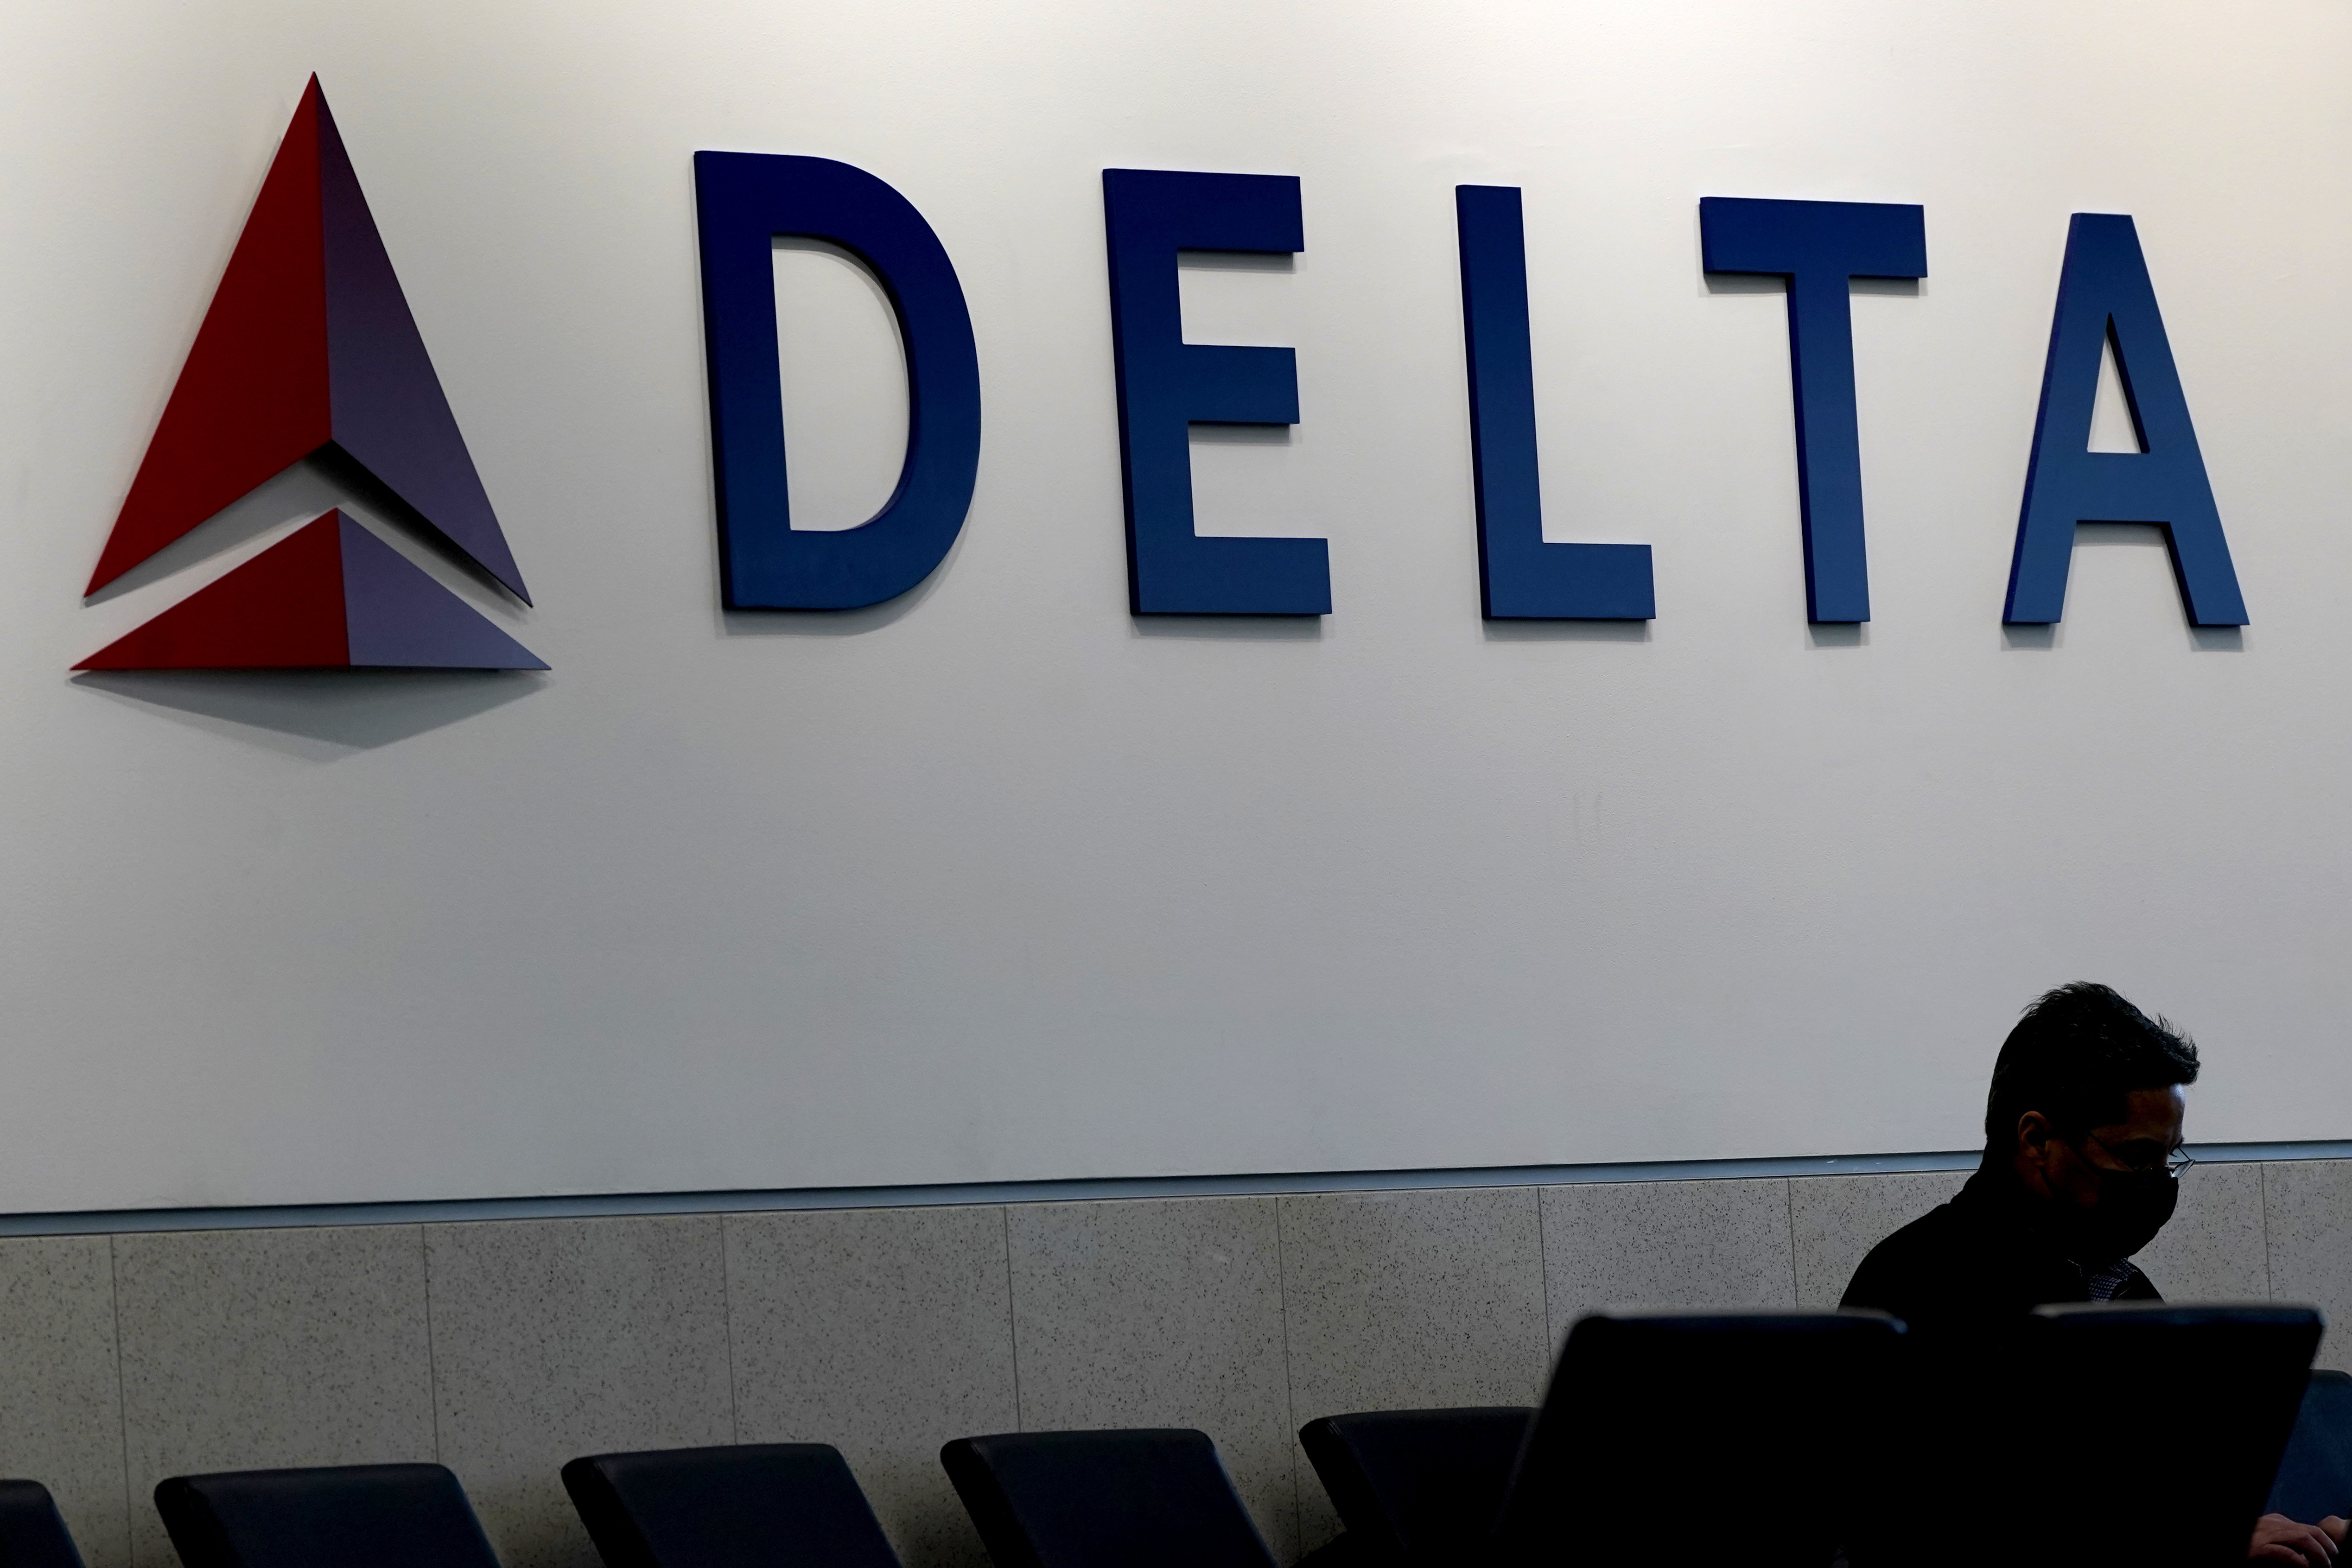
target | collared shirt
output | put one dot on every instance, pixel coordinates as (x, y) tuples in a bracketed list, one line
[(1989, 1255), (2108, 1281)]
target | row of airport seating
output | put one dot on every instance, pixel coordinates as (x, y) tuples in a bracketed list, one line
[(1773, 1435)]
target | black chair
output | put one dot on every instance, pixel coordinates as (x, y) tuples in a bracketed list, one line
[(765, 1505), (1104, 1500), (1741, 1419), (2221, 1386), (356, 1516), (32, 1533), (2138, 1433), (2314, 1475), (1416, 1486)]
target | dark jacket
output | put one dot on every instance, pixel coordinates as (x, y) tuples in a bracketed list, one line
[(1988, 1256), (1963, 1276)]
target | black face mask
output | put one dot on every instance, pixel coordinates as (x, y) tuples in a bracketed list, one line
[(2133, 1207)]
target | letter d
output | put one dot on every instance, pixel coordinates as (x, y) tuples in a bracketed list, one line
[(743, 201)]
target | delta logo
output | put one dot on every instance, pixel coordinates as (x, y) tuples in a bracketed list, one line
[(308, 353)]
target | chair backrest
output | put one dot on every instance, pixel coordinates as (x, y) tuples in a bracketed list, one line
[(2315, 1475), (355, 1516), (2220, 1386), (1655, 1419), (1149, 1498), (757, 1505), (33, 1534), (1424, 1485)]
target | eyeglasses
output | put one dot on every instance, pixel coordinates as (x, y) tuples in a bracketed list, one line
[(2174, 1159)]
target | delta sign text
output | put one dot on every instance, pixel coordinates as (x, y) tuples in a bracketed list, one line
[(308, 351)]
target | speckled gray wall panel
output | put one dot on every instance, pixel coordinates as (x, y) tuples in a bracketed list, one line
[(888, 1331), (557, 1338), (248, 1349), (2212, 1250), (1666, 1244), (2307, 1211), (1836, 1221), (1406, 1301), (60, 1392), (1160, 1312), (884, 1332)]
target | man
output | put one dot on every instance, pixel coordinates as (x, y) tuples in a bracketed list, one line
[(2083, 1134)]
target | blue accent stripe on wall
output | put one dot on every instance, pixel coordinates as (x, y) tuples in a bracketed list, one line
[(448, 1210)]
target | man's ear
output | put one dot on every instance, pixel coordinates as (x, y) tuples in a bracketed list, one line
[(2031, 1159)]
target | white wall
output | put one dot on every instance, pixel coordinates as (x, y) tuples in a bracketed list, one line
[(996, 881)]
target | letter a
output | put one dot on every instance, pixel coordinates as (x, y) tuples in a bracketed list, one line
[(2104, 297)]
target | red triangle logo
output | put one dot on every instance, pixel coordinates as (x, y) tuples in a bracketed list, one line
[(309, 348), (307, 345), (252, 399), (281, 610)]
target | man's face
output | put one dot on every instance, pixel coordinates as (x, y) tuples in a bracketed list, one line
[(2070, 1170), (2141, 1141)]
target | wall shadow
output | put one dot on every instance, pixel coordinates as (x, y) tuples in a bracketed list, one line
[(1774, 283), (1209, 432), (814, 373), (318, 715), (1237, 260), (371, 493), (1231, 628), (1837, 633), (2128, 536), (1517, 631), (327, 479), (297, 494), (828, 622)]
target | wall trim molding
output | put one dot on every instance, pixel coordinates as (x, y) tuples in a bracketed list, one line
[(590, 1205)]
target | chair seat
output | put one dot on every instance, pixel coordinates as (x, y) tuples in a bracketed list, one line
[(1135, 1498), (763, 1505), (1417, 1485), (1735, 1417), (32, 1533), (355, 1516)]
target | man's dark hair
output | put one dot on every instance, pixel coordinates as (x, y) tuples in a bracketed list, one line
[(2074, 1055)]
